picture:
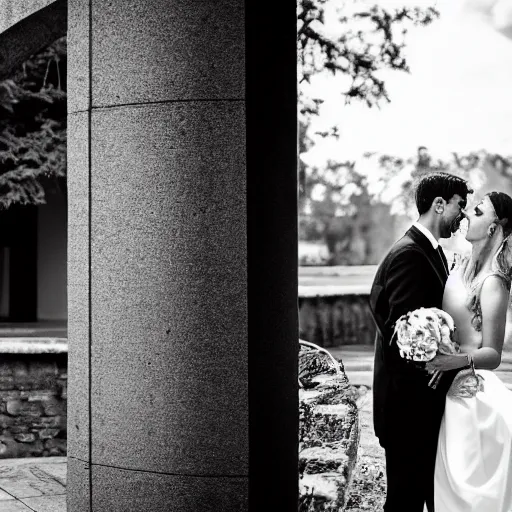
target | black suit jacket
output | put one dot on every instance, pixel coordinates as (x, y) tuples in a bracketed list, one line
[(412, 275)]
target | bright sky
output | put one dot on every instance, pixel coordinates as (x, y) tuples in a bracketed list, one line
[(458, 96)]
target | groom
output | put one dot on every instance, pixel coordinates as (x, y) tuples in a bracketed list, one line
[(406, 411)]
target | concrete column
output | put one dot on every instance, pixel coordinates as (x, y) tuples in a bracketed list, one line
[(170, 346)]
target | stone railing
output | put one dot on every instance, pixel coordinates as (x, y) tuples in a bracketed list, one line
[(33, 397), (333, 305)]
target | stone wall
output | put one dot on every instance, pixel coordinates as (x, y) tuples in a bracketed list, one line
[(329, 432), (336, 320), (33, 404)]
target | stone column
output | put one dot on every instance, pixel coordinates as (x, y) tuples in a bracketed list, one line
[(166, 356)]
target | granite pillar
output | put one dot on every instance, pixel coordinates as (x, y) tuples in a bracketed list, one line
[(177, 259)]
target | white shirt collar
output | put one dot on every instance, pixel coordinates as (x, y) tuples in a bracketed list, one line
[(428, 234)]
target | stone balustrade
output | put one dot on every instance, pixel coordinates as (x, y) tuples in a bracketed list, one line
[(331, 321), (333, 305)]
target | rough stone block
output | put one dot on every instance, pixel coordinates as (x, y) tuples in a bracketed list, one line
[(24, 408), (20, 369), (323, 492), (14, 407), (12, 394), (19, 429), (322, 459), (53, 421), (6, 421), (28, 437), (41, 395), (53, 406), (9, 448), (12, 449), (7, 382), (6, 368), (48, 433), (56, 446), (329, 434), (63, 383)]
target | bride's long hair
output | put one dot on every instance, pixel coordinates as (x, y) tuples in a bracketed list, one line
[(499, 249)]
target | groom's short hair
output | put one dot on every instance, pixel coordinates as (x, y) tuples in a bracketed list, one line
[(439, 184)]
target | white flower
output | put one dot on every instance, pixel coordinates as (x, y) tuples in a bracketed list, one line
[(422, 333)]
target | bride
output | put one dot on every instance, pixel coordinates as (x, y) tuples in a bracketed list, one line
[(474, 455)]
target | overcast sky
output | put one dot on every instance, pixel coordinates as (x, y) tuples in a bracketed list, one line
[(458, 96)]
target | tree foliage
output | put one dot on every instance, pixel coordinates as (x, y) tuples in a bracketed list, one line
[(351, 205), (368, 39), (338, 212), (476, 167), (33, 127), (343, 204)]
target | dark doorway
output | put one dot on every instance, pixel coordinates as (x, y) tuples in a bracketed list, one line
[(18, 264)]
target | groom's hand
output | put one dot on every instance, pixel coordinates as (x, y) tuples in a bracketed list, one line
[(444, 363)]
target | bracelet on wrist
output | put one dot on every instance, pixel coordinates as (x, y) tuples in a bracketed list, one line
[(470, 363)]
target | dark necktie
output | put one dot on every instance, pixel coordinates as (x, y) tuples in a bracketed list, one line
[(443, 258)]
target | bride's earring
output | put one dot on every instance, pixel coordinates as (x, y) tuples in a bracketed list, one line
[(491, 232)]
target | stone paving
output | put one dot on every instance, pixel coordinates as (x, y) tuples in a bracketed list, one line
[(33, 485)]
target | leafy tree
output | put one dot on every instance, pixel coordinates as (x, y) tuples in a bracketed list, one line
[(478, 167), (33, 127), (368, 40), (357, 212), (343, 212)]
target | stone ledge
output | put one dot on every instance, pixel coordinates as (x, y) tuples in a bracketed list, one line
[(322, 459), (309, 292), (31, 345), (337, 270), (329, 437)]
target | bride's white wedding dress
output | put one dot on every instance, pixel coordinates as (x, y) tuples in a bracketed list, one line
[(474, 454)]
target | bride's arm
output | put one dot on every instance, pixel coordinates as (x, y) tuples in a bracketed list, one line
[(494, 301)]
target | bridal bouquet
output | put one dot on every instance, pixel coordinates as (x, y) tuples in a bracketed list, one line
[(423, 333)]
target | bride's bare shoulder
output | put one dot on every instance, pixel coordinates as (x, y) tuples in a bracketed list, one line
[(494, 293)]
